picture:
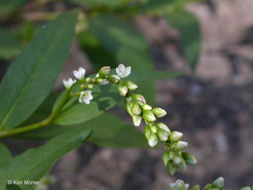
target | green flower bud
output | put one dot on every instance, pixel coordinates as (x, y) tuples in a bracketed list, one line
[(208, 186), (163, 127), (122, 90), (246, 188), (149, 116), (165, 158), (171, 168), (178, 185), (139, 98), (177, 160), (136, 120), (88, 79), (182, 165), (104, 71), (189, 158), (130, 85), (99, 80), (129, 105), (153, 140), (159, 112), (148, 132), (195, 187), (136, 109), (219, 182), (146, 107), (153, 128), (175, 136), (90, 86), (113, 79), (180, 145), (163, 135), (171, 155)]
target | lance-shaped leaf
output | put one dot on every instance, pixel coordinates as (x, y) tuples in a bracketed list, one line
[(31, 76), (33, 164), (190, 34), (5, 156)]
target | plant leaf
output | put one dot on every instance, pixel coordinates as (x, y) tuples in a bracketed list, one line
[(108, 131), (5, 157), (9, 46), (31, 76), (33, 164), (190, 34), (120, 43)]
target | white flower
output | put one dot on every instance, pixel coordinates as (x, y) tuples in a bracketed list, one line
[(123, 71), (79, 74), (68, 83), (85, 97)]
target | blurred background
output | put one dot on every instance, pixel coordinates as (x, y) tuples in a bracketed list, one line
[(213, 107)]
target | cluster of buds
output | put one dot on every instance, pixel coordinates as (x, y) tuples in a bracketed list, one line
[(218, 184), (139, 110)]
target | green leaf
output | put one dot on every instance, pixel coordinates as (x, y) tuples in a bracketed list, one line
[(97, 3), (190, 34), (9, 46), (5, 156), (119, 42), (108, 131), (33, 164), (31, 76)]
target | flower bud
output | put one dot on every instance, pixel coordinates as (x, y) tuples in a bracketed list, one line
[(219, 182), (139, 98), (146, 107), (104, 71), (189, 158), (90, 86), (163, 127), (159, 112), (171, 169), (195, 187), (177, 160), (136, 109), (149, 116), (136, 120), (246, 188), (175, 136), (99, 80), (113, 79), (129, 105), (180, 145), (153, 140), (179, 185), (153, 128), (165, 158), (130, 85), (182, 165), (148, 132), (88, 80), (122, 90), (163, 135)]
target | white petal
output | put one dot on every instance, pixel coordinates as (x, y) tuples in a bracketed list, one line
[(79, 74), (128, 71)]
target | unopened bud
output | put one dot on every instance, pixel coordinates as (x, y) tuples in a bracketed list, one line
[(149, 116), (113, 79), (148, 132), (165, 158), (136, 109), (136, 120), (177, 160), (163, 135), (153, 140), (153, 128), (90, 86), (130, 85), (139, 98), (146, 107), (159, 112), (171, 169), (189, 158), (182, 165), (99, 80), (163, 127), (122, 90), (129, 105), (88, 80), (180, 145), (219, 182), (175, 136), (195, 187), (104, 71), (246, 188)]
